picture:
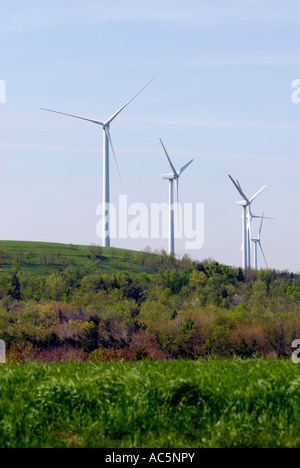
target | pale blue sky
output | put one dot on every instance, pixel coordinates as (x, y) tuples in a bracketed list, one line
[(221, 95)]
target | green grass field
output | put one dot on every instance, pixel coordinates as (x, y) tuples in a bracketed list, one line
[(190, 404), (44, 258)]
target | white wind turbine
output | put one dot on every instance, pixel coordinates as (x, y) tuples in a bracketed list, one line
[(247, 217), (106, 143), (257, 241), (171, 177)]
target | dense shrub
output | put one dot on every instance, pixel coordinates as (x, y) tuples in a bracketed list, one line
[(112, 354), (182, 309), (22, 353)]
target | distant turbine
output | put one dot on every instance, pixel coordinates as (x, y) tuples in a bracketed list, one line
[(257, 241), (106, 143), (246, 222), (171, 177)]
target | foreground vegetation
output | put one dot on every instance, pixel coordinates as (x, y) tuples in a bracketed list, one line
[(67, 312), (88, 303), (166, 404)]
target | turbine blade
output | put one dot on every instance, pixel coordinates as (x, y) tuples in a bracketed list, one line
[(263, 254), (170, 162), (238, 184), (126, 104), (257, 193), (184, 167), (265, 217), (262, 220), (238, 187), (76, 116), (116, 162), (242, 193)]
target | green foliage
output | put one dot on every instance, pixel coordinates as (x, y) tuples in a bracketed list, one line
[(66, 303), (15, 287), (175, 280), (112, 354), (294, 290), (92, 298)]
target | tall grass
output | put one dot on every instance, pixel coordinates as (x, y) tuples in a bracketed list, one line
[(170, 404)]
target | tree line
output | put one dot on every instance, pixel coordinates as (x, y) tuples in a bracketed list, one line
[(184, 309)]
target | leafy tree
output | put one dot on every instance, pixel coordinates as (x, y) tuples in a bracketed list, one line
[(15, 287)]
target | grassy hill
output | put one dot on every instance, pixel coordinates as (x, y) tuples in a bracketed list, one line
[(43, 258), (126, 304)]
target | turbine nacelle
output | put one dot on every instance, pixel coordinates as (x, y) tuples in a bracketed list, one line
[(168, 176)]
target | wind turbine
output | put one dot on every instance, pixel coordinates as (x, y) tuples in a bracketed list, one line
[(171, 177), (247, 217), (257, 241), (106, 143)]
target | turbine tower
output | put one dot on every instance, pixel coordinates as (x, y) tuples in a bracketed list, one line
[(247, 217), (106, 143), (171, 177), (257, 241)]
